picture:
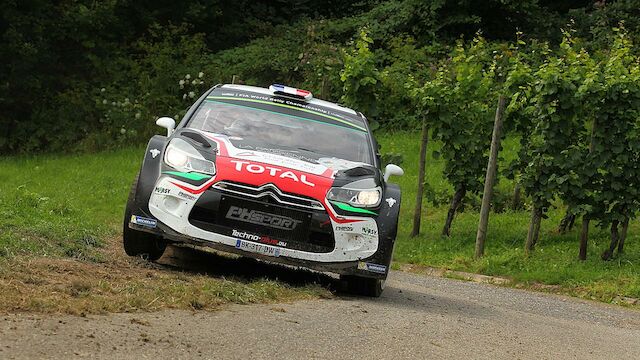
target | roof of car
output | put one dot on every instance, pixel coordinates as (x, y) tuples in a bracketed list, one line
[(313, 101)]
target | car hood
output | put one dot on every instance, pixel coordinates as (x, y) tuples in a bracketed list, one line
[(292, 172)]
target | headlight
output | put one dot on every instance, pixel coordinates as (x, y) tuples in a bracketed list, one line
[(361, 198), (181, 156)]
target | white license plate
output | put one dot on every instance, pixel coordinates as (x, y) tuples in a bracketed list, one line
[(257, 248)]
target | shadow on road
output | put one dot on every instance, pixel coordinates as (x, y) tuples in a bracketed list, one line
[(398, 293), (216, 265), (421, 299)]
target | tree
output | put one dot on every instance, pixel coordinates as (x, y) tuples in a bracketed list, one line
[(360, 77)]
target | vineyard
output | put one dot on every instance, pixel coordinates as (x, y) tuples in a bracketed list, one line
[(574, 111)]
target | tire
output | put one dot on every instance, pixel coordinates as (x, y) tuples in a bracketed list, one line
[(138, 243), (363, 286)]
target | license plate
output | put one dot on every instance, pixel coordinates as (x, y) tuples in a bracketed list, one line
[(257, 248)]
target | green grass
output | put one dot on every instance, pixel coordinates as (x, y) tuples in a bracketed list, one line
[(54, 205), (60, 251), (554, 261), (68, 205)]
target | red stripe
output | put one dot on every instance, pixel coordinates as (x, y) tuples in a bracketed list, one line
[(198, 190)]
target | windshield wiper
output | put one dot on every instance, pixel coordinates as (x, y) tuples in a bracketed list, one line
[(305, 149)]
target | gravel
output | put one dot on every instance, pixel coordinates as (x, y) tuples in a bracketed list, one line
[(418, 317)]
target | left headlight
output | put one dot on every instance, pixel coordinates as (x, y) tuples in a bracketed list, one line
[(355, 197), (181, 156)]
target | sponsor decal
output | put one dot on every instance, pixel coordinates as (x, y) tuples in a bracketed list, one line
[(262, 218), (184, 195), (161, 190), (289, 159), (246, 153), (287, 153), (143, 221), (309, 108), (347, 228), (257, 248), (376, 268), (369, 231), (391, 201), (246, 166), (154, 153), (263, 239)]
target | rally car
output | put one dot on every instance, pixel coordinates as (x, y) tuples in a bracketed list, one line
[(272, 174)]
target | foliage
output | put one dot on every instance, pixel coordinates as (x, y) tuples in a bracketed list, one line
[(595, 24), (465, 126), (360, 77), (62, 53), (553, 148), (455, 102), (613, 89)]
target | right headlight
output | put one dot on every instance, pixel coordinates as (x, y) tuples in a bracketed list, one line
[(181, 156)]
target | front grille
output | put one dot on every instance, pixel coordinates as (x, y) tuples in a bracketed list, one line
[(267, 191), (223, 212)]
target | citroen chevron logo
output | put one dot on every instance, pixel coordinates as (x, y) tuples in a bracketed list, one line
[(391, 201)]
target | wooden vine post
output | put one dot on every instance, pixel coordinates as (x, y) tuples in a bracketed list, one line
[(490, 179), (417, 212)]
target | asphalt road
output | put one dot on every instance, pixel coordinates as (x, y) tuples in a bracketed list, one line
[(416, 318)]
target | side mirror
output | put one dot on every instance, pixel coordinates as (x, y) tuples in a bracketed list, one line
[(167, 123), (392, 170)]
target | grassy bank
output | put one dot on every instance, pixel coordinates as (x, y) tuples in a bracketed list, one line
[(60, 250), (554, 261), (54, 205)]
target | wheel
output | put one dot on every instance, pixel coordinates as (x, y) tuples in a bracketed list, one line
[(363, 286), (139, 243)]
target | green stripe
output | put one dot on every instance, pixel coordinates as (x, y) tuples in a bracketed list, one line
[(347, 207), (190, 176), (289, 107)]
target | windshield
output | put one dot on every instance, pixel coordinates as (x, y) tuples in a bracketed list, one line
[(280, 127)]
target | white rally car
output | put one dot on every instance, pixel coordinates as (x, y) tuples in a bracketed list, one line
[(272, 174)]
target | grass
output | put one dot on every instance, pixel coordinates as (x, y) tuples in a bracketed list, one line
[(554, 261), (53, 205), (62, 214), (60, 225), (123, 284)]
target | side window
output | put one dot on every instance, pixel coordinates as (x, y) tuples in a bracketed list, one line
[(376, 150)]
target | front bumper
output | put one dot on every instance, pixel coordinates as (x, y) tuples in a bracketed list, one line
[(354, 247), (362, 267)]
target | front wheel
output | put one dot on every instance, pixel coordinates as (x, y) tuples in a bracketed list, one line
[(138, 243), (363, 286)]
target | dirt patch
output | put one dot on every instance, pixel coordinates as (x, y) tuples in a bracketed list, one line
[(183, 279)]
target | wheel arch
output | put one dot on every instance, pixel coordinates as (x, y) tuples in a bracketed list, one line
[(150, 171)]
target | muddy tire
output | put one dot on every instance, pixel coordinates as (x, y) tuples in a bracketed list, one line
[(139, 243), (363, 286)]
